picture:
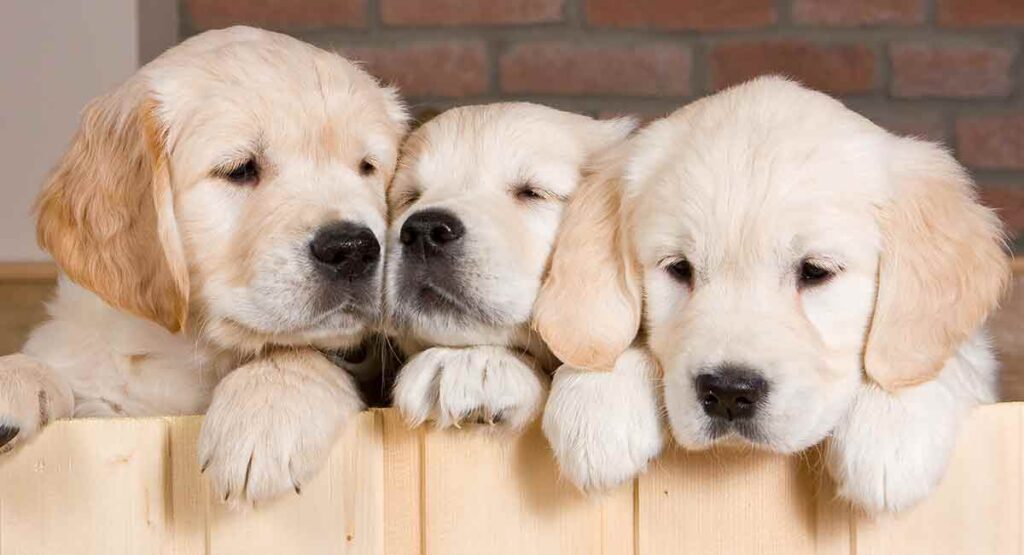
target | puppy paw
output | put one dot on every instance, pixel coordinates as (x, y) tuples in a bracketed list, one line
[(30, 397), (604, 427), (272, 423), (891, 451), (485, 384)]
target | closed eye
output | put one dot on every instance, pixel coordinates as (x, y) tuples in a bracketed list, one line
[(813, 272), (246, 173), (681, 271), (530, 193)]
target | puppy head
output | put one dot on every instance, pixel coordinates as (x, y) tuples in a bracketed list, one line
[(236, 184), (475, 210), (792, 252)]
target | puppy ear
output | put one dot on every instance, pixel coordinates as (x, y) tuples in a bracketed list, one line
[(599, 136), (107, 216), (943, 267), (588, 311)]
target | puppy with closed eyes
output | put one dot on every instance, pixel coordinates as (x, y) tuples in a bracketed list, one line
[(475, 211), (808, 276), (218, 220)]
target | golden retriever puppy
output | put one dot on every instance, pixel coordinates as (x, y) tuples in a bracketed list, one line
[(475, 211), (807, 275), (220, 215)]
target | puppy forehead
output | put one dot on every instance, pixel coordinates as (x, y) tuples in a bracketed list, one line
[(280, 88), (492, 145), (760, 172)]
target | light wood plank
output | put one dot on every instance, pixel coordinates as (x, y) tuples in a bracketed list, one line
[(732, 500), (188, 492), (86, 487), (487, 493), (977, 508), (133, 486), (339, 512), (403, 473)]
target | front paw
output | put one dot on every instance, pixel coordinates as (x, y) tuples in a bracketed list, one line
[(272, 423), (604, 427), (891, 451), (30, 398), (487, 384)]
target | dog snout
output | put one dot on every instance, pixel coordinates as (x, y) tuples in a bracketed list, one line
[(731, 392), (431, 231), (344, 250)]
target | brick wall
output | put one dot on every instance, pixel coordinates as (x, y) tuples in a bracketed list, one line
[(950, 70)]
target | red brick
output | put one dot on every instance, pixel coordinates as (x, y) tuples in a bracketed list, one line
[(461, 12), (925, 70), (852, 13), (428, 68), (981, 13), (991, 142), (701, 15), (1008, 201), (833, 68), (568, 68), (910, 124), (276, 14)]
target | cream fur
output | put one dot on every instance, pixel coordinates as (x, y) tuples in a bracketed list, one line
[(176, 276), (471, 161), (746, 185)]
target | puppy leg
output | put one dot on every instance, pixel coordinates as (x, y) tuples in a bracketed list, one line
[(31, 395), (492, 384), (604, 427), (892, 449), (272, 423)]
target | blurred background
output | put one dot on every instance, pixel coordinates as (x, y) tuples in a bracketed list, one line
[(948, 70)]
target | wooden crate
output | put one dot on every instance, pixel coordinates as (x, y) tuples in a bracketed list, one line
[(133, 487)]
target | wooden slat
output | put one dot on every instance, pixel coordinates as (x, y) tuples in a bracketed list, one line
[(487, 493), (133, 486), (403, 475), (87, 487), (737, 501), (977, 508), (339, 512)]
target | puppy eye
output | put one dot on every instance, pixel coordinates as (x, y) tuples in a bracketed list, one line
[(813, 273), (681, 270), (367, 167), (528, 193), (247, 174)]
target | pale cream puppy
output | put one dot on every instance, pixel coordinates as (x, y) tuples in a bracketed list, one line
[(475, 212), (807, 276), (220, 214)]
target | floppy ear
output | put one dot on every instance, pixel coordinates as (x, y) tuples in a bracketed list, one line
[(943, 267), (589, 308), (107, 216)]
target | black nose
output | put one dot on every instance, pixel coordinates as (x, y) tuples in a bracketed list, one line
[(730, 392), (343, 250), (431, 231)]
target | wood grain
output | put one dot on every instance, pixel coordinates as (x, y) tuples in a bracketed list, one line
[(133, 486)]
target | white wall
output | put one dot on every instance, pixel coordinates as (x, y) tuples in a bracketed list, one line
[(55, 55)]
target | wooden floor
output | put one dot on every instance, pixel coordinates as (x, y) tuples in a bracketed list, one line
[(25, 289), (133, 486)]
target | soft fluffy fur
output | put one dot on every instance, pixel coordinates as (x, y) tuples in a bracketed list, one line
[(177, 276), (504, 173), (882, 359)]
